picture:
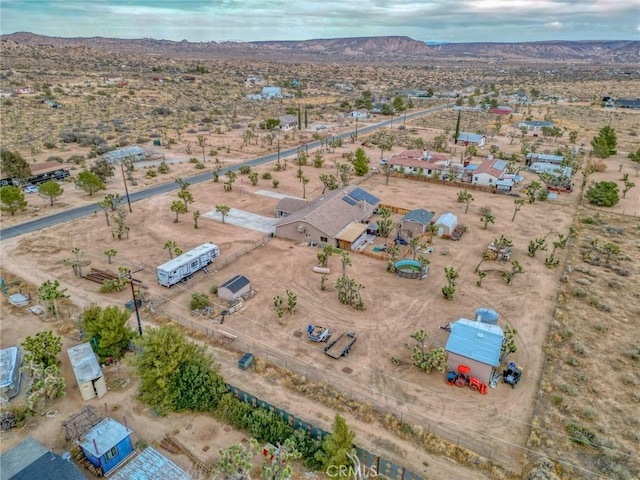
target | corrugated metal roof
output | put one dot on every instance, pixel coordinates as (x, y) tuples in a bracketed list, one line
[(124, 153), (150, 465), (470, 137), (84, 362), (476, 340), (106, 434)]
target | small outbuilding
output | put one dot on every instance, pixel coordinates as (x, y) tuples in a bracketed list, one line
[(115, 157), (87, 371), (446, 223), (476, 345), (417, 221), (107, 444), (234, 288)]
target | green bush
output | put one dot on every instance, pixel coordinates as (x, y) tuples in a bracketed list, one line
[(266, 176), (152, 173), (199, 301), (214, 289), (603, 194), (244, 169)]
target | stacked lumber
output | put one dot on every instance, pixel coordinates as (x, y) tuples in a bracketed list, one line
[(99, 276), (174, 446)]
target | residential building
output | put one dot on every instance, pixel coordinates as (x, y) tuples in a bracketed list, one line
[(543, 158), (30, 460), (417, 221), (534, 125), (288, 122), (489, 172), (476, 139), (324, 219), (421, 162)]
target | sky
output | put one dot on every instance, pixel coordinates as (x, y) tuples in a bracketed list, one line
[(255, 20)]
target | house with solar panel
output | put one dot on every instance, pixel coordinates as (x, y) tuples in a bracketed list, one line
[(492, 173), (337, 218)]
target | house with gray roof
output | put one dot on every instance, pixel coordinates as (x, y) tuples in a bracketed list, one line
[(288, 122), (417, 221), (326, 217), (30, 460), (467, 138), (287, 205), (476, 345)]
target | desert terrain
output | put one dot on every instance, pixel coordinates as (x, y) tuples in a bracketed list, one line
[(513, 428)]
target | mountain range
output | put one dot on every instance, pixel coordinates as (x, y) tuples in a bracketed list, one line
[(361, 49)]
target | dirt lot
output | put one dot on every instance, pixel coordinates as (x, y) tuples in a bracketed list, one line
[(496, 425)]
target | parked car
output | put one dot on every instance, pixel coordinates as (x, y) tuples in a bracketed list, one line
[(384, 161), (30, 189)]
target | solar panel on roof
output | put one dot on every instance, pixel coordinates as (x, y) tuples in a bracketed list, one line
[(360, 194), (349, 200), (500, 165)]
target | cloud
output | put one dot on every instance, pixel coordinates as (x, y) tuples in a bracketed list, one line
[(248, 20)]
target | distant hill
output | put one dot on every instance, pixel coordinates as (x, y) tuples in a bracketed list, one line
[(389, 48)]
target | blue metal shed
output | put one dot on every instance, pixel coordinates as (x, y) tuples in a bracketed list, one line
[(107, 444)]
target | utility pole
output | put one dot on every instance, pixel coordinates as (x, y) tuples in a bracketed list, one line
[(126, 190), (129, 275), (278, 149)]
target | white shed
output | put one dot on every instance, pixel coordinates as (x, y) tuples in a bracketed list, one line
[(446, 223), (87, 371)]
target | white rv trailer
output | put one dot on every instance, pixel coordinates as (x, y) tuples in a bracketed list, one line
[(184, 266)]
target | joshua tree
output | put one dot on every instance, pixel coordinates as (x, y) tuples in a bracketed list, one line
[(178, 208), (110, 253), (610, 249), (464, 196), (51, 292), (346, 262), (223, 210), (452, 275), (202, 141), (196, 216), (487, 217), (481, 274), (387, 170), (385, 224), (186, 197), (171, 246), (518, 202)]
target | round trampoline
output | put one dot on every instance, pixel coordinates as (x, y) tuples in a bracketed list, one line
[(410, 269)]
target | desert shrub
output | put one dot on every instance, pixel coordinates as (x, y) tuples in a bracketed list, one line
[(581, 435), (193, 160), (163, 111), (266, 176), (590, 221), (55, 158), (200, 165), (214, 289), (76, 159), (152, 173), (199, 301), (163, 167), (568, 389), (244, 169), (275, 182), (49, 145), (558, 400)]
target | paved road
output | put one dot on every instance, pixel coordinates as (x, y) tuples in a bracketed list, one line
[(72, 214)]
